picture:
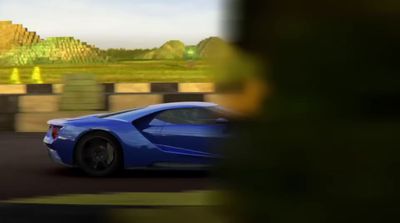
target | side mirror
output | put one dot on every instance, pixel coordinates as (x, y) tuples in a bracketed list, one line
[(221, 121)]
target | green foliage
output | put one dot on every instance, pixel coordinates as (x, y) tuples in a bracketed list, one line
[(191, 53), (54, 50), (173, 49), (42, 60), (127, 54), (149, 55)]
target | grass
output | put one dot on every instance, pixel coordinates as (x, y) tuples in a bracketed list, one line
[(125, 71)]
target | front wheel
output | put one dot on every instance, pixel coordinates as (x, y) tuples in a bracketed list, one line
[(98, 154)]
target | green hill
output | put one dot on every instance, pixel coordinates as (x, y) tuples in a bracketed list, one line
[(18, 46), (211, 47), (53, 50), (173, 49)]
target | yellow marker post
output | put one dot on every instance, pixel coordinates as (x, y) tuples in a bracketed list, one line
[(15, 78), (36, 76)]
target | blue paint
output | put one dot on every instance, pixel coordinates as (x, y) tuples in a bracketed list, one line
[(144, 139)]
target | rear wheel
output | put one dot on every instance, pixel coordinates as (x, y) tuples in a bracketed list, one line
[(98, 154)]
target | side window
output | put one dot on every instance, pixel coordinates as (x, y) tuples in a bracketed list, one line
[(194, 116), (202, 116), (174, 116)]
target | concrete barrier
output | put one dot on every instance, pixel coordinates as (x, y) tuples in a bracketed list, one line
[(37, 121), (27, 108), (8, 109), (132, 88), (38, 103), (114, 88), (196, 87), (12, 89)]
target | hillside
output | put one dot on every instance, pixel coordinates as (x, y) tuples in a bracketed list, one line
[(53, 50), (15, 35), (18, 46), (212, 47), (173, 49)]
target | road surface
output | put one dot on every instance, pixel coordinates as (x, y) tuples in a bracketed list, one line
[(27, 171)]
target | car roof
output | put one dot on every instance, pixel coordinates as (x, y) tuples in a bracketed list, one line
[(138, 113), (172, 105)]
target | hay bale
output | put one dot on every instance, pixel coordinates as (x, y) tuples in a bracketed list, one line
[(82, 93)]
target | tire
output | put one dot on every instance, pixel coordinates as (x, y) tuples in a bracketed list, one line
[(98, 154)]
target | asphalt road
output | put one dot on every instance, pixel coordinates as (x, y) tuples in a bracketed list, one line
[(27, 171)]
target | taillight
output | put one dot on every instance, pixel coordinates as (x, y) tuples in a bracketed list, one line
[(54, 131)]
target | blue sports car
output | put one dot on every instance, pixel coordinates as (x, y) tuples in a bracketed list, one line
[(170, 135)]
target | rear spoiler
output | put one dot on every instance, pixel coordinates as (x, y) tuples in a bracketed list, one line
[(57, 122), (62, 121)]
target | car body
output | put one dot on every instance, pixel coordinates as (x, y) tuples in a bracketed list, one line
[(169, 135)]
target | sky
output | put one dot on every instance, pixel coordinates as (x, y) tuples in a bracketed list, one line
[(119, 23)]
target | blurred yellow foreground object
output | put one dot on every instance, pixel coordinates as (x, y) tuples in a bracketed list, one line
[(36, 76), (15, 78)]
